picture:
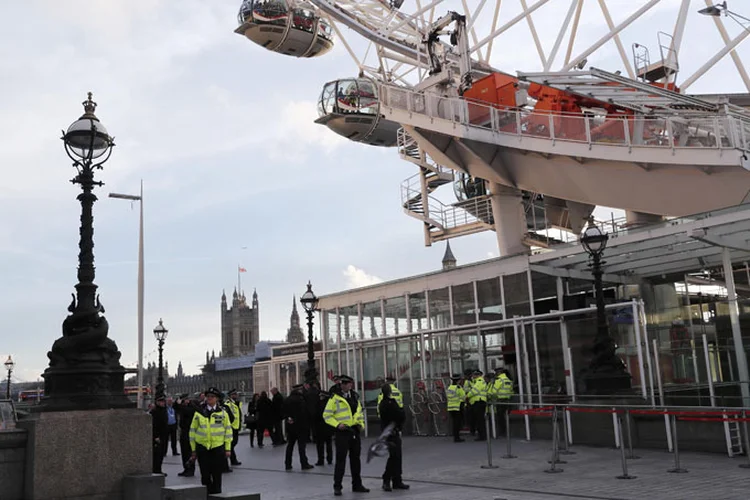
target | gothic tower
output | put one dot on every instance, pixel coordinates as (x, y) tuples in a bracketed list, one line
[(294, 334), (240, 326)]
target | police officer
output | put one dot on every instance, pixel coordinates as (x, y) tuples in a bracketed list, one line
[(323, 431), (186, 411), (456, 398), (395, 393), (477, 397), (159, 432), (469, 416), (391, 412), (343, 412), (502, 390), (211, 440), (235, 407)]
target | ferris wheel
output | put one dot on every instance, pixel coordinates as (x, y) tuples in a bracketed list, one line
[(462, 87)]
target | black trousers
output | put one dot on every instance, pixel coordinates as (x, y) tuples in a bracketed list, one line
[(502, 409), (173, 439), (478, 410), (393, 467), (235, 438), (211, 463), (185, 450), (253, 428), (470, 418), (278, 432), (298, 437), (324, 442), (158, 455), (349, 443), (456, 421)]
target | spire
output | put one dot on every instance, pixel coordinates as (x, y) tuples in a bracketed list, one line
[(223, 296), (294, 318), (234, 295), (449, 261)]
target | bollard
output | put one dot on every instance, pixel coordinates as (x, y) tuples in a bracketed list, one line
[(508, 453), (625, 474), (747, 441), (553, 469), (489, 444), (630, 436), (556, 437), (566, 438), (677, 468)]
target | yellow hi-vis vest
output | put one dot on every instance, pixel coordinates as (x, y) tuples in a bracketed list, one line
[(395, 394), (212, 431), (337, 412), (478, 391), (236, 409), (502, 387), (455, 396)]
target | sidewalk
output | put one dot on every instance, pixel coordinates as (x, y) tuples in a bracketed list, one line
[(439, 469)]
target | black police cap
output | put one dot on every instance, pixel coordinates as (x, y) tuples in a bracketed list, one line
[(346, 379), (213, 390)]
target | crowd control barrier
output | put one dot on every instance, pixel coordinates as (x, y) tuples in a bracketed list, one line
[(622, 422)]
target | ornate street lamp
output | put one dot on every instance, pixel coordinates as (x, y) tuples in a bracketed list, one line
[(161, 335), (84, 370), (9, 364), (607, 373), (310, 304)]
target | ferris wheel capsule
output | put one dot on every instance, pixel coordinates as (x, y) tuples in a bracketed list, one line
[(290, 27), (351, 108)]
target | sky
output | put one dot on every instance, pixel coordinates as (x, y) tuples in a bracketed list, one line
[(235, 172)]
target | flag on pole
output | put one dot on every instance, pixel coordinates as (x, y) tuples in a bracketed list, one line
[(242, 270)]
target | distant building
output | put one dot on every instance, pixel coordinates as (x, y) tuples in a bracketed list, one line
[(240, 325), (294, 334)]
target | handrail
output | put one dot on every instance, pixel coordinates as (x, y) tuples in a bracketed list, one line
[(700, 130)]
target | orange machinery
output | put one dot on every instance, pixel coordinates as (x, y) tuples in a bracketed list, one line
[(554, 107)]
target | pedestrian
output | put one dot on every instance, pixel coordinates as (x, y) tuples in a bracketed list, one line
[(343, 412), (211, 440), (477, 397), (251, 420), (159, 432), (278, 417), (185, 411), (323, 432), (456, 397), (391, 413), (297, 427), (235, 406), (395, 393), (172, 429), (264, 408)]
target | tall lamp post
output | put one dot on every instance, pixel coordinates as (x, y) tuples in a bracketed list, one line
[(138, 198), (161, 335), (84, 369), (721, 8), (310, 304), (606, 373), (9, 364)]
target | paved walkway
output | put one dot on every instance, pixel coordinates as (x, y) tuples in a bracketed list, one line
[(439, 469)]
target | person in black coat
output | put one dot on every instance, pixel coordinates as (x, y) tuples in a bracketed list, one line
[(297, 427), (185, 409), (392, 413), (159, 432), (323, 432), (251, 420), (264, 409), (278, 417)]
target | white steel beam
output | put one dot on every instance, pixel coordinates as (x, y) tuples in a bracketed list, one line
[(561, 35), (679, 30), (494, 27), (509, 25), (573, 31), (716, 58), (618, 42), (734, 317), (615, 31), (734, 55), (534, 34)]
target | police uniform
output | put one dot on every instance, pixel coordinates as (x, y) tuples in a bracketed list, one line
[(477, 396), (395, 394), (501, 390), (456, 397), (344, 409), (236, 421), (211, 441)]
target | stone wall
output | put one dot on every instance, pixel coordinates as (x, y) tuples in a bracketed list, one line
[(12, 463)]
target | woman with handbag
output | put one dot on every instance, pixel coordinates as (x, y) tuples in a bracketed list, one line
[(251, 419)]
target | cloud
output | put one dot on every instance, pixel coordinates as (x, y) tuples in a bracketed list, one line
[(357, 278)]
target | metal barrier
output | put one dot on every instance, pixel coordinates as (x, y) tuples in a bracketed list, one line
[(489, 443)]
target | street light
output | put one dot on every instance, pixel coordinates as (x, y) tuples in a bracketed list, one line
[(84, 369), (606, 373), (9, 364), (161, 335), (138, 198), (310, 304), (721, 8)]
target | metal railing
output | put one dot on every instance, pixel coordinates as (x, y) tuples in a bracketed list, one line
[(700, 131)]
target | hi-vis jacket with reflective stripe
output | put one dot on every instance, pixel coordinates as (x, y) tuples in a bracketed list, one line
[(236, 409), (455, 396), (501, 387), (395, 394), (211, 430), (478, 391), (338, 412)]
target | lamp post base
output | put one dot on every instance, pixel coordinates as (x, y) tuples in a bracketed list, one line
[(84, 388)]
